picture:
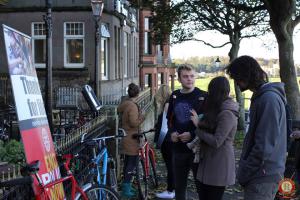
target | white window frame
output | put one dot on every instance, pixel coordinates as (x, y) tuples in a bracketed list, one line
[(37, 37), (105, 55), (126, 60), (66, 37)]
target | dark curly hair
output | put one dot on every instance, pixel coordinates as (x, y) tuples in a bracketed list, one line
[(246, 68), (133, 90)]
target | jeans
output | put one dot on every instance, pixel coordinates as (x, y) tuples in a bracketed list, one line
[(183, 163), (210, 192), (260, 191), (167, 154), (129, 166)]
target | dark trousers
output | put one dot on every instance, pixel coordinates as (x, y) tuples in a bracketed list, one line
[(210, 192), (167, 154), (183, 163), (129, 166)]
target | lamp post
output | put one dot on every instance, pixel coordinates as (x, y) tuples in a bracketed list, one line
[(97, 7), (217, 64), (48, 79)]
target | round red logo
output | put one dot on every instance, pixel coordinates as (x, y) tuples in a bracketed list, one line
[(287, 188)]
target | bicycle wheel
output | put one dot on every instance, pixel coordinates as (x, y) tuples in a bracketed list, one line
[(152, 171), (141, 180), (100, 192)]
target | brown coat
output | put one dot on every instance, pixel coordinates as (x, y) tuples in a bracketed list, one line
[(130, 121), (217, 162)]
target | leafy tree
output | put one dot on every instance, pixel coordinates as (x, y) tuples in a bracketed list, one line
[(184, 19)]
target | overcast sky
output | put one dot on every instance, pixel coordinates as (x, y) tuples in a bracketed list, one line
[(264, 47)]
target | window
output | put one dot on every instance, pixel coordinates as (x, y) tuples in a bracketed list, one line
[(126, 54), (147, 37), (104, 58), (38, 32), (74, 44), (117, 52)]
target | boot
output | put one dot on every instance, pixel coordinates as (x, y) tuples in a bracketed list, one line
[(133, 189), (126, 190)]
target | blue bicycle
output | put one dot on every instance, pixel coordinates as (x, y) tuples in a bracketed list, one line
[(101, 165)]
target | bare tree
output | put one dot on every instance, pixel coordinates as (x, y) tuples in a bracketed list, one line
[(186, 18), (284, 16)]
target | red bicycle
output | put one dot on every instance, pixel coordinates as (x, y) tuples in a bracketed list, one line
[(86, 192), (146, 165)]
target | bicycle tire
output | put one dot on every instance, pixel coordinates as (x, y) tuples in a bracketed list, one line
[(100, 192), (141, 180), (152, 172)]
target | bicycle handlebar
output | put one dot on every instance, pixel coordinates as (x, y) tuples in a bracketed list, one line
[(18, 181), (121, 133), (142, 134)]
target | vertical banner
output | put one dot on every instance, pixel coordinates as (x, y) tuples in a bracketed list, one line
[(33, 123)]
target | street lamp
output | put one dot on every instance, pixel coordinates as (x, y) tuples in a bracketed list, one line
[(217, 62), (48, 79), (97, 7)]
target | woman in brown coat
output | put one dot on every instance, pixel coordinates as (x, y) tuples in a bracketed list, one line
[(216, 132), (131, 118)]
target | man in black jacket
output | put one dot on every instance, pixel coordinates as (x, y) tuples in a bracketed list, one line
[(181, 128)]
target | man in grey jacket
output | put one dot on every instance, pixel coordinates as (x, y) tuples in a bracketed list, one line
[(262, 161)]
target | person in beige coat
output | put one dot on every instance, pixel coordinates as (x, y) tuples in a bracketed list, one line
[(131, 118), (216, 132)]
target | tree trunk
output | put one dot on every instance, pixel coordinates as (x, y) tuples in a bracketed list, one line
[(281, 22), (235, 42), (288, 75)]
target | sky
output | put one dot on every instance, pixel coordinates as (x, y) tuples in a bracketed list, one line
[(263, 47)]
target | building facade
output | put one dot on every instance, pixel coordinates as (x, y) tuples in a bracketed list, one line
[(156, 67), (73, 43)]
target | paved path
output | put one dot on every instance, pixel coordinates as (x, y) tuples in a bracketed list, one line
[(231, 193)]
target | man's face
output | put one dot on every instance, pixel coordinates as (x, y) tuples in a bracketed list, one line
[(243, 85), (187, 79)]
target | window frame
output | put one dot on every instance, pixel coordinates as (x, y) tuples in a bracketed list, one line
[(68, 37), (37, 37), (105, 56)]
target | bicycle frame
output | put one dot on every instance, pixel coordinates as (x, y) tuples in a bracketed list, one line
[(44, 189), (144, 152), (101, 169)]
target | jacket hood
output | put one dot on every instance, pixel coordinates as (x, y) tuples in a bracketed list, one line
[(231, 105), (275, 87)]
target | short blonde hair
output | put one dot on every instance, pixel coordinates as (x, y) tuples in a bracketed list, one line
[(186, 67)]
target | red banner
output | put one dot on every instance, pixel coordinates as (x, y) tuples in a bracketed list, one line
[(33, 123)]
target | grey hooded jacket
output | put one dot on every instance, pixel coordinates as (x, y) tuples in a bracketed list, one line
[(264, 150)]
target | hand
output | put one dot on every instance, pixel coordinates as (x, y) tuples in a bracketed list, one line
[(194, 117), (295, 135), (174, 137), (185, 137)]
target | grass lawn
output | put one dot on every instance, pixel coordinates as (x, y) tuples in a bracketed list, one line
[(203, 84)]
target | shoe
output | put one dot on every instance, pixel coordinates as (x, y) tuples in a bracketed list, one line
[(126, 191), (133, 189), (165, 195)]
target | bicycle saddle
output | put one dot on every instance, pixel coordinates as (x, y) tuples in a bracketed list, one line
[(31, 168)]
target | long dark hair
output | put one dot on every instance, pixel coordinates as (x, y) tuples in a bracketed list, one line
[(218, 92), (246, 68)]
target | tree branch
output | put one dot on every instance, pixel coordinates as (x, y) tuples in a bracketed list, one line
[(245, 7), (296, 21), (208, 44)]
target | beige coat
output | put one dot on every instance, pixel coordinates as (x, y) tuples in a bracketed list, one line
[(217, 162), (130, 121)]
